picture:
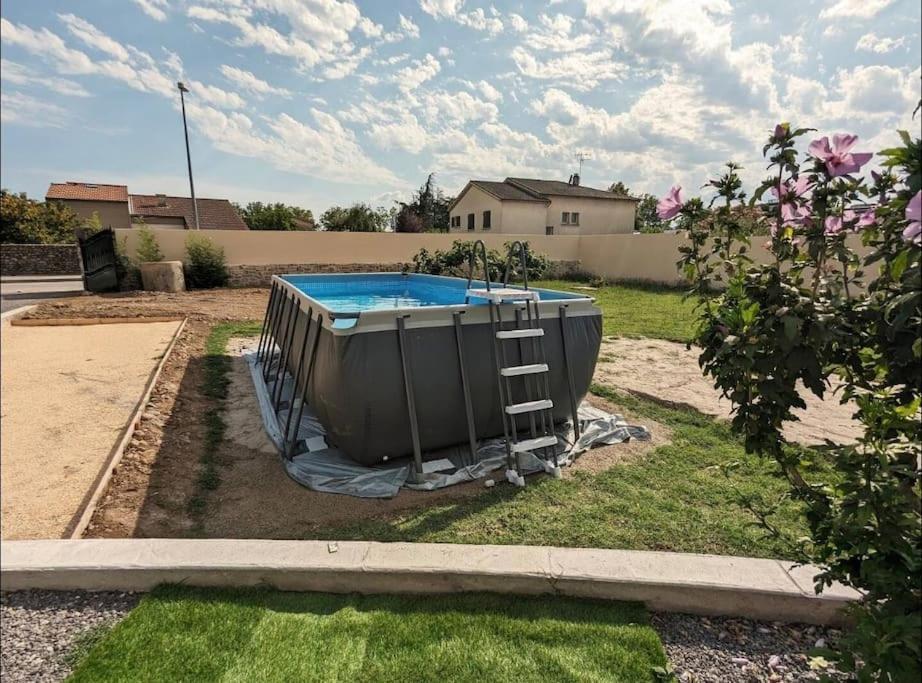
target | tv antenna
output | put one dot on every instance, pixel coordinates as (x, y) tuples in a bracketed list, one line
[(581, 157)]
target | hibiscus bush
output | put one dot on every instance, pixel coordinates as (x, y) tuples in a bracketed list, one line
[(817, 317)]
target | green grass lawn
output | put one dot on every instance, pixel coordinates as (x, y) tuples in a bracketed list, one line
[(637, 310), (683, 496), (186, 634)]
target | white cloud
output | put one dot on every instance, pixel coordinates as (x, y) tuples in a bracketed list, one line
[(318, 32), (93, 37), (871, 42), (876, 90), (441, 8), (155, 9), (854, 9), (416, 73), (215, 95), (409, 29), (476, 19), (479, 21), (444, 51), (18, 74), (578, 70), (792, 49), (405, 134), (25, 110), (518, 23)]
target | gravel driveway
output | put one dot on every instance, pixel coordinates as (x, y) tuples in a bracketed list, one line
[(39, 629)]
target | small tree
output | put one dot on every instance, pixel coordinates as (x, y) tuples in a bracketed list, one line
[(278, 216), (148, 249), (356, 218), (427, 212), (806, 318), (206, 266), (25, 221)]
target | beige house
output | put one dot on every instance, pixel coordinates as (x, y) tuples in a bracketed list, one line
[(117, 208), (526, 206)]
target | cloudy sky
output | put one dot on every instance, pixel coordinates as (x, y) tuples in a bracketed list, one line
[(320, 102)]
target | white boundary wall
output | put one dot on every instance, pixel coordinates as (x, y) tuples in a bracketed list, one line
[(613, 257)]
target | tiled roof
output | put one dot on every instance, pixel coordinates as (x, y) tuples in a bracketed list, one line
[(94, 192), (506, 191), (213, 214), (562, 189)]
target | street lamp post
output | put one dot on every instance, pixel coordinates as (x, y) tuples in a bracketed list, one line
[(183, 89)]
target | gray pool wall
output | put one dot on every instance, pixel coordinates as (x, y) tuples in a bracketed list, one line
[(357, 389)]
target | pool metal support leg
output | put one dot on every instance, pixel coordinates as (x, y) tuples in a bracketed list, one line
[(290, 446), (465, 388), (566, 363), (272, 336), (262, 333), (297, 377), (285, 350), (416, 475)]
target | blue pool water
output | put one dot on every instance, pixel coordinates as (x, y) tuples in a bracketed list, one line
[(357, 293)]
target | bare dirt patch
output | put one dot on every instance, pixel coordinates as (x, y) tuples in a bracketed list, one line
[(667, 372)]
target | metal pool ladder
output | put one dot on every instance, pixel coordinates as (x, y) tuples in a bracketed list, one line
[(531, 374)]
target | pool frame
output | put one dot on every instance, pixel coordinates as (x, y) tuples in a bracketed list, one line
[(291, 311)]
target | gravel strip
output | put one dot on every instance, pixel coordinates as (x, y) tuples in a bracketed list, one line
[(39, 629), (723, 649)]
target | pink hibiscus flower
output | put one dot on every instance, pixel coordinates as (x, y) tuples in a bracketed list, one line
[(833, 226), (837, 157), (913, 231), (867, 220), (669, 206)]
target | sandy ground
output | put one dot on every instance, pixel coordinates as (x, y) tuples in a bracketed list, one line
[(669, 373), (67, 394)]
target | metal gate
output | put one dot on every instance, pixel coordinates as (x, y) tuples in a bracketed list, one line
[(99, 261)]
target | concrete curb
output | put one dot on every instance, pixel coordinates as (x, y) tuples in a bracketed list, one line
[(82, 519), (13, 314), (676, 582)]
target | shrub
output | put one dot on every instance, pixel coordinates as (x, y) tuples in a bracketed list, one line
[(148, 250), (126, 270), (206, 266), (25, 221), (811, 315), (454, 262)]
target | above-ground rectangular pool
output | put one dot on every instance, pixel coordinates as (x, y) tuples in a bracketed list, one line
[(374, 353)]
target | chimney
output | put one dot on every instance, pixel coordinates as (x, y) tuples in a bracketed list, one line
[(161, 200), (574, 179)]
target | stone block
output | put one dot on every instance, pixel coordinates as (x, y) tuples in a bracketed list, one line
[(163, 276)]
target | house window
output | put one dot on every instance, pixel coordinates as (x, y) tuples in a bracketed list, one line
[(486, 220), (456, 221), (574, 218), (549, 230), (565, 217), (470, 221)]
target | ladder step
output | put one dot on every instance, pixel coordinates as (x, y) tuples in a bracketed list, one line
[(520, 334), (529, 406), (532, 444), (501, 294), (524, 370)]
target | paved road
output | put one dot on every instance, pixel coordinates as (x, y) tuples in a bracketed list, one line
[(33, 289)]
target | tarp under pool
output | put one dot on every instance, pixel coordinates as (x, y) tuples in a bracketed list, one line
[(321, 467)]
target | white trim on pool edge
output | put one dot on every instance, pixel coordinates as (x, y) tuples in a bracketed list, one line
[(427, 316)]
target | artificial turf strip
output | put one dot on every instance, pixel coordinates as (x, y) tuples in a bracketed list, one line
[(187, 634), (638, 310), (214, 386), (683, 496)]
